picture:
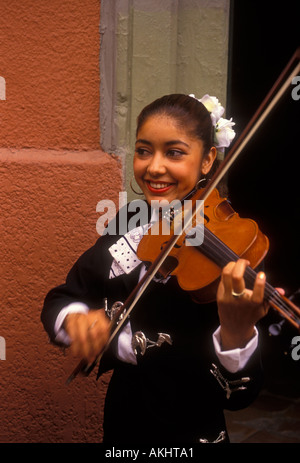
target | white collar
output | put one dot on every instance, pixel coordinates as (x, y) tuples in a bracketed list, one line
[(124, 250)]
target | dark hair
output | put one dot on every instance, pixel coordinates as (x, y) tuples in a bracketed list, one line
[(191, 115)]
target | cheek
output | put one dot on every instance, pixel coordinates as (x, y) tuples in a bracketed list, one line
[(190, 175), (137, 167)]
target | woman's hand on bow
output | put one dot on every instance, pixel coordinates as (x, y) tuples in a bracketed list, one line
[(89, 332)]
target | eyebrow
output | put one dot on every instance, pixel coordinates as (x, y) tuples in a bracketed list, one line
[(168, 143)]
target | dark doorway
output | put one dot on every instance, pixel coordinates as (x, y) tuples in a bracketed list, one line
[(264, 183)]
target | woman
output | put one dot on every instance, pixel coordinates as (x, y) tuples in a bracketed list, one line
[(196, 359)]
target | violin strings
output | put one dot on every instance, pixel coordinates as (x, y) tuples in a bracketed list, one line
[(221, 254)]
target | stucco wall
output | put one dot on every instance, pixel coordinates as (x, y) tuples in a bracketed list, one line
[(50, 60), (53, 174)]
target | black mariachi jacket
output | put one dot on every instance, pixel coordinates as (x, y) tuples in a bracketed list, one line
[(177, 392)]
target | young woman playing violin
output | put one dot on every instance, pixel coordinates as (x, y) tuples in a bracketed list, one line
[(177, 363)]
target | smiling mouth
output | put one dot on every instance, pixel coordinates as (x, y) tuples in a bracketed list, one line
[(158, 187)]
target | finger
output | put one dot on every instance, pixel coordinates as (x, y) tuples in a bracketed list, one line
[(259, 288), (81, 345), (98, 332), (233, 277), (281, 291), (71, 324), (226, 277), (98, 337), (238, 271)]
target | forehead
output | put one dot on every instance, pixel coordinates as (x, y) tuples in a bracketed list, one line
[(165, 131), (164, 126)]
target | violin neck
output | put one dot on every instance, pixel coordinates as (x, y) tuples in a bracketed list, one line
[(213, 248)]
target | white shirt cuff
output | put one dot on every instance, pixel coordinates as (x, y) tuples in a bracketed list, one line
[(61, 334), (124, 348), (235, 359)]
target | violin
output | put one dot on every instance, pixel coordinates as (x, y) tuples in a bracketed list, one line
[(223, 237), (227, 237)]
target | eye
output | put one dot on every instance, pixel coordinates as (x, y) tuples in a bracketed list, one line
[(175, 153), (142, 152)]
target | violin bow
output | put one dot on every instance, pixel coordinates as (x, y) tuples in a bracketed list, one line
[(281, 85)]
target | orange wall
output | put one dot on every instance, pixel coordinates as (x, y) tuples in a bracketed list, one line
[(53, 174), (49, 56)]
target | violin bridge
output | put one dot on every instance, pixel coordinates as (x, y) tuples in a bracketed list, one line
[(167, 267)]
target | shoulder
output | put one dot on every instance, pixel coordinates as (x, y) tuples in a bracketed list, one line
[(128, 217), (134, 214)]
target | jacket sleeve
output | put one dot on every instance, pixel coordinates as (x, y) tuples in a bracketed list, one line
[(84, 283), (238, 390)]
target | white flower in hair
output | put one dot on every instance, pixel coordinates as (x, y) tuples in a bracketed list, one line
[(213, 106), (224, 134)]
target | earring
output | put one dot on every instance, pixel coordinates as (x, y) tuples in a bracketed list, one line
[(136, 192), (198, 184)]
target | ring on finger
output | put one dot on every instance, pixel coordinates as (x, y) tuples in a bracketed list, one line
[(235, 294)]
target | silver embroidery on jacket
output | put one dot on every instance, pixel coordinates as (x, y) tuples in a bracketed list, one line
[(220, 438), (228, 386), (139, 341)]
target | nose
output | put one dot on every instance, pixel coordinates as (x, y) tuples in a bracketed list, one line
[(156, 166)]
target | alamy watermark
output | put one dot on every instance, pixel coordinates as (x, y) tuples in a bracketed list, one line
[(296, 90), (2, 88), (295, 353), (2, 348), (2, 97), (176, 218)]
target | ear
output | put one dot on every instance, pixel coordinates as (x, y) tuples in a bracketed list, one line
[(208, 161)]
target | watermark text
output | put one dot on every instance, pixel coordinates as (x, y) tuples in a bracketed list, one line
[(296, 350), (177, 218), (296, 90), (2, 88), (2, 348)]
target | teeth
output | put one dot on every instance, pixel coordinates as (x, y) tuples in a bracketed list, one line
[(158, 185)]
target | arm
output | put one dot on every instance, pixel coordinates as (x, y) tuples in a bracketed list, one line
[(74, 306), (234, 360), (238, 369)]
